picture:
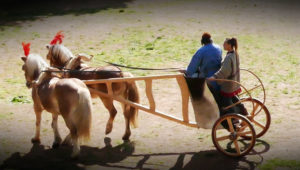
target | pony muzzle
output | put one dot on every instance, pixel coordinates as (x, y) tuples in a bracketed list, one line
[(28, 84)]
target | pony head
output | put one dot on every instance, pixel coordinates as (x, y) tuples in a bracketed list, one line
[(77, 61), (33, 65), (58, 55)]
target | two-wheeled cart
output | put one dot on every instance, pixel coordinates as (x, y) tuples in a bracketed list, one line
[(237, 139)]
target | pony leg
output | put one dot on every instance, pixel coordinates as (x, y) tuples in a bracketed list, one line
[(126, 109), (108, 103), (57, 138), (67, 140), (72, 138), (36, 138), (76, 147)]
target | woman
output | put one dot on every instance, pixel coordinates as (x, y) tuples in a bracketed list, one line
[(230, 70)]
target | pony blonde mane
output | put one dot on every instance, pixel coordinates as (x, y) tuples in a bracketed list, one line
[(60, 52), (34, 63)]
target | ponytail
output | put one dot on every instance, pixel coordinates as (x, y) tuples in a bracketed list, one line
[(234, 44)]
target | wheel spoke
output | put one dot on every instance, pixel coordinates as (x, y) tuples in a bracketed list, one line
[(244, 133), (244, 126), (257, 112), (254, 108), (222, 138), (237, 148), (258, 124), (230, 125)]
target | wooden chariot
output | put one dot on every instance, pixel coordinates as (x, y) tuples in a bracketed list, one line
[(239, 136)]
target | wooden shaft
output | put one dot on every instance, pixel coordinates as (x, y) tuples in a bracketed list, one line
[(149, 94), (184, 97), (114, 80), (144, 108)]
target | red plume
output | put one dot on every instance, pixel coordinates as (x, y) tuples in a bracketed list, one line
[(58, 38), (26, 48)]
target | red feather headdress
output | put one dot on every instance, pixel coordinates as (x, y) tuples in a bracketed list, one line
[(58, 38), (26, 48)]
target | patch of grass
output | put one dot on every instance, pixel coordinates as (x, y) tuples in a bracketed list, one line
[(5, 115), (285, 91), (277, 121), (279, 163), (20, 99)]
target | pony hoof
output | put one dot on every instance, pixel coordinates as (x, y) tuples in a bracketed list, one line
[(34, 140), (74, 156), (55, 145), (125, 138), (108, 129), (66, 143)]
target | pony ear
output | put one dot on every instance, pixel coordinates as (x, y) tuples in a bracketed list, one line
[(85, 57), (24, 58), (48, 46)]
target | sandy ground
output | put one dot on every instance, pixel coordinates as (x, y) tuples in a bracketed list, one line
[(156, 143)]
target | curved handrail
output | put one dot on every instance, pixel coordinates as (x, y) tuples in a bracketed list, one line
[(243, 87), (262, 85)]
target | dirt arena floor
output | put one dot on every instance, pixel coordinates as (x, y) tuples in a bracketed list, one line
[(122, 31)]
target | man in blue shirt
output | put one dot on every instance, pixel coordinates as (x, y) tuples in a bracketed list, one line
[(206, 61)]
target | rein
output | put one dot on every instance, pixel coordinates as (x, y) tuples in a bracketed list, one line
[(142, 68), (63, 70), (78, 71)]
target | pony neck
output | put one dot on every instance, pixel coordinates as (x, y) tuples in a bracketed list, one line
[(61, 55), (44, 76)]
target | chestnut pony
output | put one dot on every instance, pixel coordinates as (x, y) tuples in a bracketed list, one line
[(60, 56), (69, 98)]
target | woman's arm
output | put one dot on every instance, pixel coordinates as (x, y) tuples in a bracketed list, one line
[(225, 70)]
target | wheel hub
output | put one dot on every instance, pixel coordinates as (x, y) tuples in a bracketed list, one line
[(233, 136)]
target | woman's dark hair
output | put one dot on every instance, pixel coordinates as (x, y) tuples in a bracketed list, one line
[(233, 42), (206, 38)]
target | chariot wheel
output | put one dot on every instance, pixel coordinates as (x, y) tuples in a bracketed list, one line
[(259, 116), (227, 137)]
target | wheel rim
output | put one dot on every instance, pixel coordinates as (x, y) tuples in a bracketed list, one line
[(229, 140), (259, 116)]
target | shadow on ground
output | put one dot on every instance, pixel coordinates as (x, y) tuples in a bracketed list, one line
[(12, 11), (41, 158)]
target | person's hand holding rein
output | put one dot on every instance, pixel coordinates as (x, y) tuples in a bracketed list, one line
[(212, 78), (183, 70)]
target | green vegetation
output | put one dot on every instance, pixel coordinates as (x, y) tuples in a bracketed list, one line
[(20, 99), (5, 115), (162, 46), (279, 163), (146, 42)]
